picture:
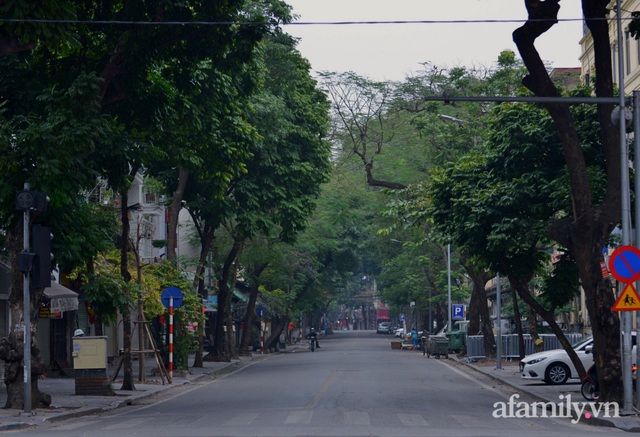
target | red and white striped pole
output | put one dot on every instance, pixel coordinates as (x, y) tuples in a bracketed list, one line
[(261, 337), (171, 337)]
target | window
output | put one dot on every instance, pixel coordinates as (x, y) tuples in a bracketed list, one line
[(150, 197), (614, 62), (627, 53)]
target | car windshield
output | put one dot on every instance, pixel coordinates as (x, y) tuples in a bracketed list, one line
[(581, 342)]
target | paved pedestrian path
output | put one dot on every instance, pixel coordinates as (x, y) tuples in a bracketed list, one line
[(65, 403)]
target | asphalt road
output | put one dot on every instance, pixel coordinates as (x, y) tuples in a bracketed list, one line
[(355, 385)]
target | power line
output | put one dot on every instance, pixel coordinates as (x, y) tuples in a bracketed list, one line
[(299, 23)]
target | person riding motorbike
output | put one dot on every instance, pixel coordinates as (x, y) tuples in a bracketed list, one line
[(593, 375), (313, 336)]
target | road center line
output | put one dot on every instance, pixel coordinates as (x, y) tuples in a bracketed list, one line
[(322, 391)]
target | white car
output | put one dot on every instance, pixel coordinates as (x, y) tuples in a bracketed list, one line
[(383, 328), (555, 366)]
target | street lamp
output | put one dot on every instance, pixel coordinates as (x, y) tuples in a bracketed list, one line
[(413, 314)]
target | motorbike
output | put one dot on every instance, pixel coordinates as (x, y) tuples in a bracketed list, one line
[(313, 342), (590, 384), (589, 387)]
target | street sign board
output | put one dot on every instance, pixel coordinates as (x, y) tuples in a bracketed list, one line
[(625, 264), (628, 300), (171, 292), (457, 312)]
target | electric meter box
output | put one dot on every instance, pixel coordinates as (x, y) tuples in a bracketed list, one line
[(89, 352)]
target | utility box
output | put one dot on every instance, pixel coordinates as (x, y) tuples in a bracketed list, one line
[(89, 352), (90, 366)]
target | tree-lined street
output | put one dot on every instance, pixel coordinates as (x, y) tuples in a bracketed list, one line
[(354, 385), (188, 144)]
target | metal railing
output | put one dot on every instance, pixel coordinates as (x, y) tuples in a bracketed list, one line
[(510, 345)]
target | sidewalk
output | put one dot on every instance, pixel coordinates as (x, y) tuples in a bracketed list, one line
[(65, 403), (509, 374)]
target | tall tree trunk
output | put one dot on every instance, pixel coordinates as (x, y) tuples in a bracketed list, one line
[(174, 213), (220, 351), (474, 311), (518, 319), (97, 318), (232, 350), (521, 286), (485, 324), (251, 310), (590, 225), (532, 326), (481, 321), (127, 380), (278, 324), (206, 245)]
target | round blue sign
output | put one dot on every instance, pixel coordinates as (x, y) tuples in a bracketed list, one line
[(171, 292)]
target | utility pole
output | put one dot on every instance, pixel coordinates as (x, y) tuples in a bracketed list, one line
[(26, 310), (31, 263)]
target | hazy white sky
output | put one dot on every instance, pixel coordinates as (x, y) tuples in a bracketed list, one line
[(391, 51)]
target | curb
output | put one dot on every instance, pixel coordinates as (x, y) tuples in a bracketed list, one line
[(116, 404), (594, 421)]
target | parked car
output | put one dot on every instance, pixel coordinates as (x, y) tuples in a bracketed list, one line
[(555, 367), (383, 328)]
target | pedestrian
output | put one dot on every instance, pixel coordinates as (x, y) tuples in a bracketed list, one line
[(414, 337)]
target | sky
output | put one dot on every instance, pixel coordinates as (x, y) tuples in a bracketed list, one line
[(393, 51)]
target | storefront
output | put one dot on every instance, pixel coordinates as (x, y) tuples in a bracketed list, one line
[(56, 323)]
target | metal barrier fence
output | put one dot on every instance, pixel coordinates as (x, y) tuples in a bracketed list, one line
[(510, 347)]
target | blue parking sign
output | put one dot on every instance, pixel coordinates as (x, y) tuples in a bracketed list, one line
[(457, 312)]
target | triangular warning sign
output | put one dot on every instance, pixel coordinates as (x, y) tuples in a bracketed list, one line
[(628, 300)]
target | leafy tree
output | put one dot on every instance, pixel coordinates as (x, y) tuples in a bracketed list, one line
[(392, 127), (113, 86), (589, 223), (275, 194)]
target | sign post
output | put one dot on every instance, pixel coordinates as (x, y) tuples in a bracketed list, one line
[(171, 297), (625, 267), (26, 315)]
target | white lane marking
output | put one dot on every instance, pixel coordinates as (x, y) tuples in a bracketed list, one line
[(412, 420), (241, 419), (299, 417), (470, 421), (356, 418)]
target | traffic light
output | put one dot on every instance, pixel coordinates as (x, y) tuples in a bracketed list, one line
[(41, 269), (27, 200)]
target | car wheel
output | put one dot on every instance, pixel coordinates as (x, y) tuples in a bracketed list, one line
[(556, 373)]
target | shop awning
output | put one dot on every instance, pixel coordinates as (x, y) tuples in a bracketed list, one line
[(241, 296), (62, 298)]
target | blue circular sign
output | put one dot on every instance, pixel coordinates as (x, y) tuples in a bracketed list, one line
[(171, 292)]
